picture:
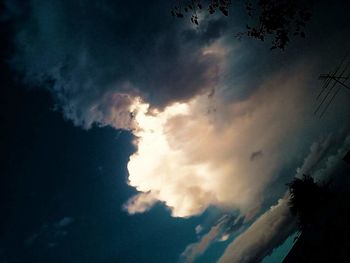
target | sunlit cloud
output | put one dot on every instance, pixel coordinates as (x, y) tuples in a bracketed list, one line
[(219, 232), (197, 145), (196, 154), (194, 250), (266, 233), (274, 226)]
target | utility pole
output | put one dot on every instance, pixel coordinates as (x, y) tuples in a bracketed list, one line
[(333, 83)]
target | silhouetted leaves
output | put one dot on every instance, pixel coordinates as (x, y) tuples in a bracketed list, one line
[(323, 217), (307, 199), (278, 20), (281, 19)]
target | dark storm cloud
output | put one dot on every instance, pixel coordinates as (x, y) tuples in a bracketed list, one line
[(96, 55), (326, 42)]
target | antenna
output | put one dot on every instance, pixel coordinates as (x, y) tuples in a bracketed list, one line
[(333, 82)]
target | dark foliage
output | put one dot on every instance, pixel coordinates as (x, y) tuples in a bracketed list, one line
[(323, 212), (307, 198), (276, 19)]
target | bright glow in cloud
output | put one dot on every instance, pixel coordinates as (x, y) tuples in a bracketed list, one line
[(158, 168), (196, 154)]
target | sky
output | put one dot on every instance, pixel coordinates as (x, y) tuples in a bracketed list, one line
[(131, 136)]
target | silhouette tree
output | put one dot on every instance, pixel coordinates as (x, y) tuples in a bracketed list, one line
[(307, 198), (276, 19)]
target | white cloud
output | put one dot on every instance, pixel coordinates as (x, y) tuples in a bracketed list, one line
[(140, 203), (198, 229), (266, 233), (190, 157)]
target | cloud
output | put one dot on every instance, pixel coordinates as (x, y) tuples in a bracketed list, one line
[(266, 233), (140, 203), (198, 229), (194, 250), (333, 161), (111, 63), (100, 65), (96, 57), (317, 151), (274, 226), (325, 154), (64, 222), (54, 231), (190, 159), (220, 231)]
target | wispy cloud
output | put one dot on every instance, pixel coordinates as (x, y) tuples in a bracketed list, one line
[(266, 233), (64, 222), (276, 224), (194, 250), (219, 232), (325, 155), (52, 232)]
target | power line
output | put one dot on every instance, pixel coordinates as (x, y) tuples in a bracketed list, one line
[(337, 78)]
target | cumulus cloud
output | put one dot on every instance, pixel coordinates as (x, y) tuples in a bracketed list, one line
[(190, 159), (99, 65), (96, 57), (153, 78), (266, 233)]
